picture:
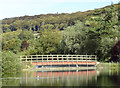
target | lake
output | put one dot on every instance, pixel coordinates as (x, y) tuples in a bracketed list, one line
[(99, 77)]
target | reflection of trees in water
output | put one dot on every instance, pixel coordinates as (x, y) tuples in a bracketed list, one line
[(109, 78), (115, 78), (12, 79)]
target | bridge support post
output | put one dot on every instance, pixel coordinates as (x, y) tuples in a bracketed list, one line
[(37, 60), (82, 59), (77, 60), (72, 59), (87, 62), (67, 59), (42, 60), (47, 59), (57, 60), (77, 65), (20, 59), (62, 59), (31, 59), (26, 61), (52, 60), (95, 60)]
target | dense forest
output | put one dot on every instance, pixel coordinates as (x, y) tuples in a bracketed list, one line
[(92, 32)]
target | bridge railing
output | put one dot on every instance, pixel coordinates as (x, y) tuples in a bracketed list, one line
[(58, 58)]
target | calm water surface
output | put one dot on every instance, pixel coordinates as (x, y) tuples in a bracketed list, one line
[(103, 77)]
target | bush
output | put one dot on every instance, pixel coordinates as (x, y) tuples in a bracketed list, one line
[(10, 62)]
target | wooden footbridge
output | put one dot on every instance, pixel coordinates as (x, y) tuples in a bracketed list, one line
[(57, 60)]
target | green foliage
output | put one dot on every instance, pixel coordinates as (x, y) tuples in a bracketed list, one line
[(74, 38), (26, 35), (119, 57), (104, 49), (24, 45), (49, 42), (90, 46), (41, 22), (10, 62), (13, 45), (11, 42), (104, 29)]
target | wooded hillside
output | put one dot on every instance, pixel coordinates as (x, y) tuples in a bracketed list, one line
[(91, 32)]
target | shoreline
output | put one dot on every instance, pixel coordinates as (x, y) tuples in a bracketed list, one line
[(59, 68)]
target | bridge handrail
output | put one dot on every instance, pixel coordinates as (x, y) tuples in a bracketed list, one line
[(58, 57)]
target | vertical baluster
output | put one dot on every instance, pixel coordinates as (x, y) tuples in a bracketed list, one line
[(37, 60), (52, 59), (95, 60), (26, 61), (42, 60), (77, 60), (62, 59), (57, 59), (20, 59), (47, 59), (87, 62), (67, 59), (72, 59), (31, 59), (82, 59)]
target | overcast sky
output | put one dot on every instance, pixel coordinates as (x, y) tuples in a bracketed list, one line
[(16, 8)]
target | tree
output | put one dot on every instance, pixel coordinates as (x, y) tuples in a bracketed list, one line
[(116, 52), (24, 45), (26, 35), (10, 62), (103, 28), (48, 43), (74, 38)]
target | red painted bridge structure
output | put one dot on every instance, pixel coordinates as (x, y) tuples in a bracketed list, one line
[(42, 60)]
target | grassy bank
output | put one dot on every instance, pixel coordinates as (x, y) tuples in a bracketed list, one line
[(110, 65)]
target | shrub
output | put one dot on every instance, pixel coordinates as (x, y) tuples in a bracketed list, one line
[(10, 62)]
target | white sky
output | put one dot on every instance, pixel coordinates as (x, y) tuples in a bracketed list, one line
[(13, 8)]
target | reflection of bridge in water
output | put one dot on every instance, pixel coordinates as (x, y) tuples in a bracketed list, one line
[(64, 73), (59, 60), (67, 78)]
